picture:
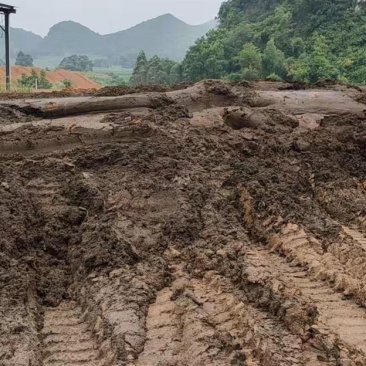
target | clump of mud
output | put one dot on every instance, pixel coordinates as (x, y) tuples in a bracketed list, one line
[(9, 115)]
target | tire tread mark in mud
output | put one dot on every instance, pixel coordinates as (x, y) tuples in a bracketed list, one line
[(185, 328), (336, 314), (68, 340)]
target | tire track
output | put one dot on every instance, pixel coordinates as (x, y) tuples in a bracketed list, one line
[(205, 320), (67, 338), (338, 328)]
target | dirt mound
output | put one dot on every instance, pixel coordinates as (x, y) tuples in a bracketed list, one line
[(224, 224), (111, 91), (48, 94)]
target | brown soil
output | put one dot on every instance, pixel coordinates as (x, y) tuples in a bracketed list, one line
[(216, 225), (110, 91)]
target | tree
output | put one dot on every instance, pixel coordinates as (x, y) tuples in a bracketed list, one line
[(43, 83), (159, 71), (273, 60), (67, 83), (193, 66), (23, 59), (34, 80), (304, 40), (250, 59), (117, 80), (139, 75), (320, 64), (76, 63), (154, 74)]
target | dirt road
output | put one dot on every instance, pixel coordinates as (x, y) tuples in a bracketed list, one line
[(219, 224)]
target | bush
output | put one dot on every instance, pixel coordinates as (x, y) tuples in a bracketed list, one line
[(34, 80), (67, 83)]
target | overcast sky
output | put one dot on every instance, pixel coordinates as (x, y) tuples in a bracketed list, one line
[(107, 16)]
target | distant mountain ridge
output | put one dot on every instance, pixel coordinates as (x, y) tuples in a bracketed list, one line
[(165, 36)]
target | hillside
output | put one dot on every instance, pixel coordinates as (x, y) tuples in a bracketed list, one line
[(25, 41), (305, 40), (165, 36), (67, 38)]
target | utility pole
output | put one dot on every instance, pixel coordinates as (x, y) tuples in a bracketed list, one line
[(7, 10), (7, 50)]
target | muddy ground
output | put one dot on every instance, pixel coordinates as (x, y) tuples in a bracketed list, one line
[(226, 230)]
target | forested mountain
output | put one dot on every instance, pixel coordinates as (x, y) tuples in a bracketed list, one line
[(165, 36), (303, 40)]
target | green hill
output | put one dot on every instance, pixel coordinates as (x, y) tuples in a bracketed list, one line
[(165, 36), (304, 40)]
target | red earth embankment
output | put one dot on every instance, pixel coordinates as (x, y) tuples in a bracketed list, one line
[(77, 79)]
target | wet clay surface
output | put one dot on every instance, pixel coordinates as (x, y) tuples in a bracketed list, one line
[(220, 234)]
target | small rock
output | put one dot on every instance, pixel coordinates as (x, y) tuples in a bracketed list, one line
[(98, 325), (301, 145), (116, 273), (315, 329), (13, 262), (69, 165), (210, 253), (5, 185), (221, 253), (97, 279), (175, 253), (359, 361), (345, 362), (322, 358)]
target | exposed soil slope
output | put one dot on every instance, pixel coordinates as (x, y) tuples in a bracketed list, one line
[(78, 79), (215, 225)]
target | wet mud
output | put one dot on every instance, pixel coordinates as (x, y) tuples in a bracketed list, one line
[(216, 233)]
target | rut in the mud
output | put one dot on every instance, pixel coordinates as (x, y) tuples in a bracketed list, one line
[(165, 235), (67, 339), (335, 314)]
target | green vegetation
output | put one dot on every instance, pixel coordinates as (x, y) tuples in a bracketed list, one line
[(155, 71), (23, 59), (304, 40), (34, 80), (76, 63), (67, 83), (110, 76)]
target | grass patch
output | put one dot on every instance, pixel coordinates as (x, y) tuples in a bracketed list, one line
[(110, 76)]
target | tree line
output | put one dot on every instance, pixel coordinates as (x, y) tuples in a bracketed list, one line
[(159, 71)]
